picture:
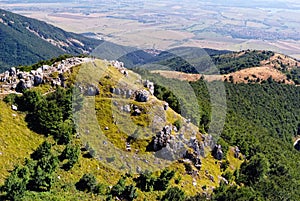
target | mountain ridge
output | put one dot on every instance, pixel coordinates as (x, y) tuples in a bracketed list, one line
[(24, 41)]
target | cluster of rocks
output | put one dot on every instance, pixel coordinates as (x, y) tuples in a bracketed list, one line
[(135, 110), (167, 146), (120, 66), (126, 93), (140, 95), (16, 80), (208, 141), (175, 146), (194, 158), (163, 138), (88, 90)]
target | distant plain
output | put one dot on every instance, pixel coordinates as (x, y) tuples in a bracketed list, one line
[(231, 25)]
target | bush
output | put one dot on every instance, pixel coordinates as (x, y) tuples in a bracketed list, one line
[(43, 150), (87, 183), (178, 124), (71, 153), (15, 184)]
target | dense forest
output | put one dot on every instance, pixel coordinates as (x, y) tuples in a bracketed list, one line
[(262, 120)]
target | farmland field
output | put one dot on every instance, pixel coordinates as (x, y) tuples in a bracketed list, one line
[(232, 25)]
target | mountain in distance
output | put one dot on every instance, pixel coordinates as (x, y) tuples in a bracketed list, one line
[(24, 41)]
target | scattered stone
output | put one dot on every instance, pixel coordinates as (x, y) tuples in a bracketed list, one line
[(112, 90), (92, 91), (150, 86), (126, 108), (138, 169), (223, 179), (297, 145), (236, 152), (211, 178), (14, 107), (194, 182), (12, 71), (166, 106), (38, 79), (21, 86), (137, 112), (129, 93), (117, 91), (194, 159), (128, 146)]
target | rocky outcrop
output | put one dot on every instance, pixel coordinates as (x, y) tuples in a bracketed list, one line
[(38, 79), (142, 95), (149, 85), (19, 81), (166, 106), (217, 152), (92, 90), (194, 159), (23, 85)]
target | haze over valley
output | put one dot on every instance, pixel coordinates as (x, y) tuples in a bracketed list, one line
[(231, 25)]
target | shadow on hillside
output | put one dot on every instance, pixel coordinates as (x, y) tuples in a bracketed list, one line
[(33, 125)]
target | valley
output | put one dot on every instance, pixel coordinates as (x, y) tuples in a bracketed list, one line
[(254, 25)]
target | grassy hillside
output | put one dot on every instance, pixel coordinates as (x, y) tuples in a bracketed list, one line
[(17, 140), (107, 166), (262, 120)]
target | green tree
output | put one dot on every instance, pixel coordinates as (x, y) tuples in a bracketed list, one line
[(174, 193), (63, 133), (130, 193), (71, 153), (162, 182), (87, 183), (254, 170), (233, 193), (119, 188), (11, 99), (146, 182), (40, 180), (29, 100), (204, 122), (15, 184), (43, 150), (47, 117)]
